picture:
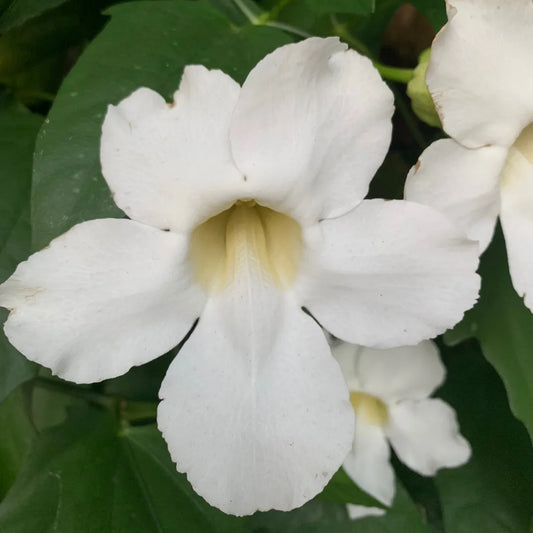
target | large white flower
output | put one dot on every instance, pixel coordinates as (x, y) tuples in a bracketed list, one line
[(481, 78), (389, 392), (246, 206)]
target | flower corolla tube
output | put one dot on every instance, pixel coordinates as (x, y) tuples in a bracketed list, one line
[(480, 76), (246, 207)]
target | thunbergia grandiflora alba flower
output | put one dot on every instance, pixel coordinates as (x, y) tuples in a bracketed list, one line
[(481, 78), (246, 205), (389, 392)]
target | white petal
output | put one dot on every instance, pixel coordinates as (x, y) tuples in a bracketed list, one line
[(171, 166), (425, 436), (368, 463), (408, 372), (311, 127), (373, 276), (461, 183), (347, 355), (517, 222), (360, 511), (254, 408), (105, 296), (481, 71)]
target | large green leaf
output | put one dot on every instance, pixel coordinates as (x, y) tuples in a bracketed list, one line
[(34, 57), (319, 517), (504, 327), (14, 367), (315, 516), (357, 7), (15, 12), (17, 433), (68, 186), (17, 138), (493, 492), (90, 475)]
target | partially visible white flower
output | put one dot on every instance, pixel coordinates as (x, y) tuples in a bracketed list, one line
[(246, 205), (480, 76), (389, 392)]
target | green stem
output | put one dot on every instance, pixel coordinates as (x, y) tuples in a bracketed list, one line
[(74, 390), (401, 75), (248, 13), (340, 30), (129, 410), (278, 7), (138, 411), (265, 19), (288, 28)]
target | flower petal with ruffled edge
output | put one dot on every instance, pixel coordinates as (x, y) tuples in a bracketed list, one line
[(481, 71), (425, 435), (170, 166), (105, 296), (254, 408), (311, 127), (372, 276), (407, 372), (463, 184)]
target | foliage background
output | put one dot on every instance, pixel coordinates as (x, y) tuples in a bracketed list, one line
[(89, 458)]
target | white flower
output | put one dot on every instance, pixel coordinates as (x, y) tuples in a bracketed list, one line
[(389, 392), (481, 78), (260, 189)]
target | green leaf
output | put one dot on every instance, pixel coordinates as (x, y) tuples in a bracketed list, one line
[(68, 185), (402, 517), (341, 489), (315, 516), (318, 516), (50, 403), (89, 475), (228, 8), (504, 327), (15, 12), (141, 383), (17, 433), (17, 138), (33, 57), (434, 11), (356, 7), (493, 492), (14, 367)]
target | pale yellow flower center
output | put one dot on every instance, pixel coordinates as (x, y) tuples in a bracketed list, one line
[(370, 408), (520, 153), (246, 234)]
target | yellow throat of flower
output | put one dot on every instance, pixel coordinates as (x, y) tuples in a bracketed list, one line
[(246, 234), (371, 409)]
